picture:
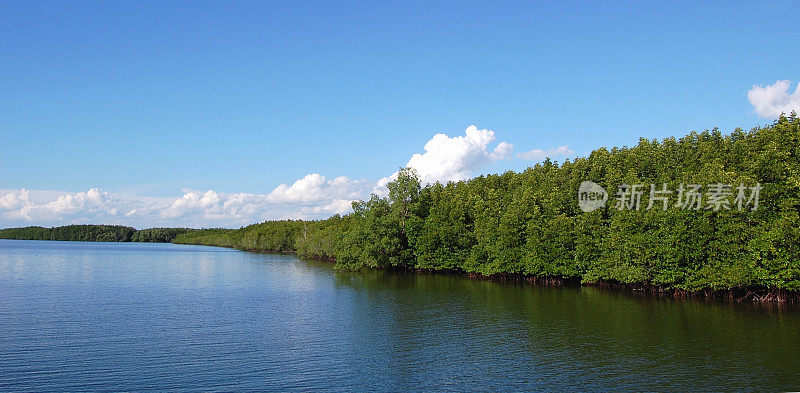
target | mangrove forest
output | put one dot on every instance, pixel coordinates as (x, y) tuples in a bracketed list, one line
[(530, 224)]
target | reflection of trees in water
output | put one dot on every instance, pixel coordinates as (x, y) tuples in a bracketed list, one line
[(517, 330)]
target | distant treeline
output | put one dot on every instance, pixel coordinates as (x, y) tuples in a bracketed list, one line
[(530, 224), (271, 236), (94, 233), (158, 235)]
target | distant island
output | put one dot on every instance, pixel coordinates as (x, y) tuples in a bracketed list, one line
[(738, 236)]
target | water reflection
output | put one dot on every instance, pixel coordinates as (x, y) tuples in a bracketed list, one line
[(154, 317), (562, 335)]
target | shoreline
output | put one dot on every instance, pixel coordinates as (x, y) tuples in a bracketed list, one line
[(752, 294), (741, 295)]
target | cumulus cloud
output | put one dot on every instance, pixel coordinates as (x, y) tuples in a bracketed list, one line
[(539, 154), (462, 157), (315, 187), (193, 209), (20, 205), (457, 158), (770, 101), (15, 199), (337, 206)]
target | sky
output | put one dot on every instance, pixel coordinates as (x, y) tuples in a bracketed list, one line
[(222, 114)]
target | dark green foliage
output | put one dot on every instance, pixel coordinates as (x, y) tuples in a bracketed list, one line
[(321, 239), (158, 235), (211, 237), (270, 236), (84, 233)]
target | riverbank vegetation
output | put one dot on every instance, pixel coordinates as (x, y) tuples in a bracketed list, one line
[(529, 224)]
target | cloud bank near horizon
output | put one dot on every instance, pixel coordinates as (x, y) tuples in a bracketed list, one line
[(313, 196), (193, 209)]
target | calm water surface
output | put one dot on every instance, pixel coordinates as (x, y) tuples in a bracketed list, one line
[(127, 316)]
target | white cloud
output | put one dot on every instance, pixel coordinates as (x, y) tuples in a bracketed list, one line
[(315, 188), (20, 205), (503, 150), (193, 202), (15, 199), (461, 157), (457, 158), (337, 206), (770, 101), (539, 154), (193, 209)]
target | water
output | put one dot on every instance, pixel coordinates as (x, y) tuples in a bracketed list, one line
[(127, 316)]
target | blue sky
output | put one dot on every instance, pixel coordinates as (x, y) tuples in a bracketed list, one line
[(148, 102)]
